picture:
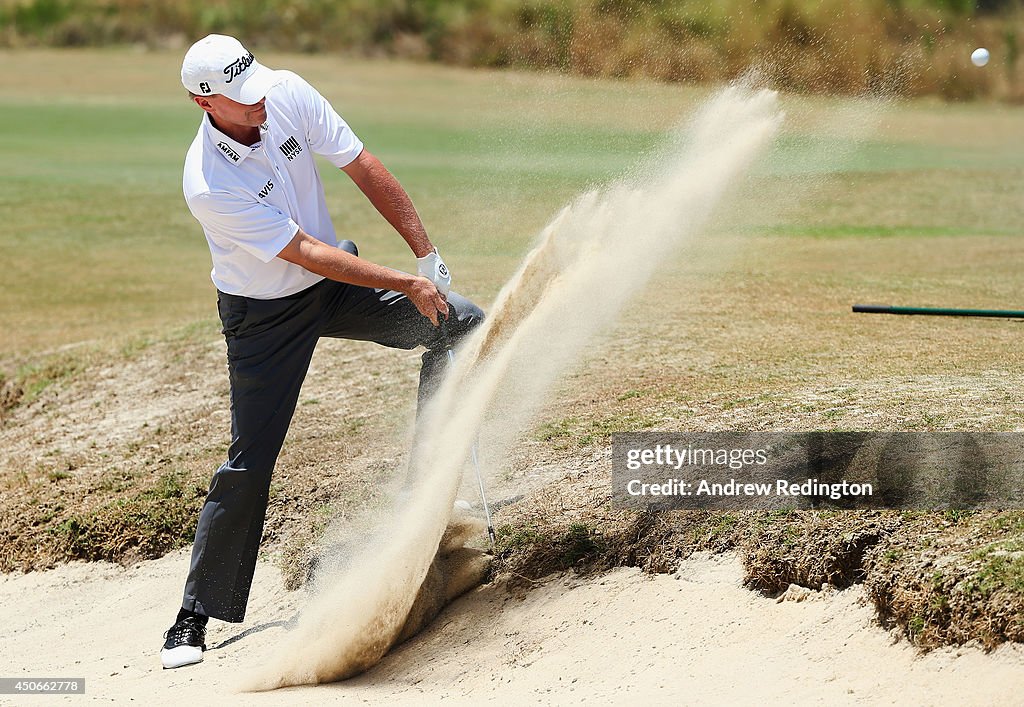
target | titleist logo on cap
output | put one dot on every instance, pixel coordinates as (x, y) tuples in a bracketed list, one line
[(238, 66)]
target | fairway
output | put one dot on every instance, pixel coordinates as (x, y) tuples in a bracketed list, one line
[(98, 244)]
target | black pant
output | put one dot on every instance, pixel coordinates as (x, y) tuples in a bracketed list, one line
[(270, 344)]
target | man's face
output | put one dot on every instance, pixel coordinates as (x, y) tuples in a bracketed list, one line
[(225, 110)]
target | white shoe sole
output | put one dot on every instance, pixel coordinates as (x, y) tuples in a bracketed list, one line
[(181, 656)]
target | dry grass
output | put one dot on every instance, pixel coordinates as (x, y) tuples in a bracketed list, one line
[(112, 463)]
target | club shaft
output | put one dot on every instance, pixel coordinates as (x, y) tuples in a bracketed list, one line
[(483, 494), (938, 311), (476, 467)]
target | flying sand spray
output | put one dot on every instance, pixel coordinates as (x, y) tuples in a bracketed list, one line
[(474, 452), (595, 255)]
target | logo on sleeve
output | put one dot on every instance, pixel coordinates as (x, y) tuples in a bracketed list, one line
[(291, 148), (267, 188), (229, 151)]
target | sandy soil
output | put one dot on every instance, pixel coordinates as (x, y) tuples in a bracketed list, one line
[(695, 637)]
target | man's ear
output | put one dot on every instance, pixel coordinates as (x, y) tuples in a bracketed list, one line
[(204, 103)]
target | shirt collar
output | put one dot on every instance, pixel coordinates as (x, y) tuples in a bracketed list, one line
[(230, 149)]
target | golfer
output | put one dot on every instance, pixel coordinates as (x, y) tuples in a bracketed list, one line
[(284, 281)]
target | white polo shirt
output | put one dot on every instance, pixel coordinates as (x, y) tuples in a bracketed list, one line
[(251, 200)]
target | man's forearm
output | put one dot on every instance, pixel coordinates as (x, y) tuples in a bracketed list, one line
[(335, 264), (390, 199)]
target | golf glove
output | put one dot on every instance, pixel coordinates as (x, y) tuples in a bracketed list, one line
[(433, 268)]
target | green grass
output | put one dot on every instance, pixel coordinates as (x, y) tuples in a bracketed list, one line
[(801, 154), (97, 242)]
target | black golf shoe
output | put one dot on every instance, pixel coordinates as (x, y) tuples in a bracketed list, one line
[(185, 643)]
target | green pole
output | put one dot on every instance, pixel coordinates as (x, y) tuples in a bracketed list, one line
[(938, 311)]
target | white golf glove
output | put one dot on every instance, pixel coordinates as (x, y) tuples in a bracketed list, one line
[(433, 268)]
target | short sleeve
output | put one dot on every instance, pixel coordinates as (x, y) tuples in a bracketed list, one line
[(327, 132), (256, 228)]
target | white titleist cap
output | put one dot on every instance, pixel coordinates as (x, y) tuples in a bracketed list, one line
[(220, 64)]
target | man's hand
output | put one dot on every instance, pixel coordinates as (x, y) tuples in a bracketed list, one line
[(433, 268), (428, 299)]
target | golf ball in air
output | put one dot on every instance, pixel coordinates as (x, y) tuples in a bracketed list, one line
[(980, 56)]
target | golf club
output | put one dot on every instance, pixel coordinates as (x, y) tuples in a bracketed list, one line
[(937, 311), (474, 450)]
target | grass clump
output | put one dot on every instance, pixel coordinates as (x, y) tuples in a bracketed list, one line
[(539, 553), (27, 382), (143, 526)]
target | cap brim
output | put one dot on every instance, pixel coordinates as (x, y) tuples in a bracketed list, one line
[(255, 86)]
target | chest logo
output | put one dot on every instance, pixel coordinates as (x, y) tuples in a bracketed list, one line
[(229, 151), (291, 148), (267, 188)]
